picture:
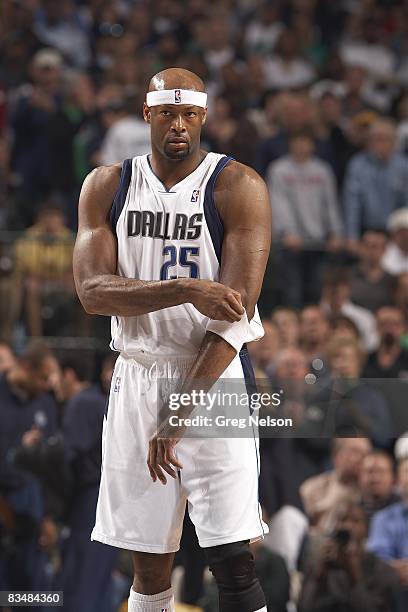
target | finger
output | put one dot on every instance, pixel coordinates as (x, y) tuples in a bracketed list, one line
[(167, 468), (152, 473), (235, 302), (229, 314), (150, 454), (158, 464), (171, 458), (163, 460), (159, 473)]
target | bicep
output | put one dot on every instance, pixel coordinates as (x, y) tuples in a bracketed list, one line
[(247, 234)]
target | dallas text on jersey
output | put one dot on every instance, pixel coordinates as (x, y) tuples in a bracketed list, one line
[(150, 224)]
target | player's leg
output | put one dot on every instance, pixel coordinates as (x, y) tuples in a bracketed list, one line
[(151, 590), (233, 568), (220, 478)]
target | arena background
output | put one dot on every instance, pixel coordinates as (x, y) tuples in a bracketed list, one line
[(313, 94)]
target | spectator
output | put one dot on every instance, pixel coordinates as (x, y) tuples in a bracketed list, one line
[(293, 113), (7, 357), (128, 136), (306, 218), (371, 286), (390, 360), (225, 133), (377, 482), (356, 98), (44, 266), (388, 537), (376, 183), (218, 50), (395, 259), (263, 30), (34, 109), (24, 400), (25, 405), (368, 51), (330, 121), (287, 461), (87, 565), (402, 130), (64, 27), (346, 577), (75, 112), (286, 69), (401, 294), (345, 328), (290, 371), (88, 141), (322, 494), (314, 333), (287, 322), (354, 405), (336, 294)]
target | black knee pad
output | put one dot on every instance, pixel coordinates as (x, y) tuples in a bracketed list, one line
[(232, 565), (233, 568)]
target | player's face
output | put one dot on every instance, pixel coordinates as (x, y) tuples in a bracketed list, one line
[(175, 130)]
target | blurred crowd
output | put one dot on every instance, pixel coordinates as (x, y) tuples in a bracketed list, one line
[(314, 95)]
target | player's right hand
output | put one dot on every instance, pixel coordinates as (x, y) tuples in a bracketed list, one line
[(217, 301)]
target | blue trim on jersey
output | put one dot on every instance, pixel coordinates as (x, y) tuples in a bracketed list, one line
[(212, 217), (120, 196), (249, 374), (250, 383)]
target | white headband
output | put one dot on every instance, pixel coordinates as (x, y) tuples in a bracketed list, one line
[(176, 96)]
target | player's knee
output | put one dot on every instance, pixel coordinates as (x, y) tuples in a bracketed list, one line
[(150, 580), (232, 566)]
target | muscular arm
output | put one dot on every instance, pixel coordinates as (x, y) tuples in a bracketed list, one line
[(99, 287), (242, 200)]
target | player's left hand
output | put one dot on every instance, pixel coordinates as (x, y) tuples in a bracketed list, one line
[(161, 454)]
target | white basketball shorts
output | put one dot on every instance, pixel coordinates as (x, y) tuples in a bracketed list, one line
[(219, 479)]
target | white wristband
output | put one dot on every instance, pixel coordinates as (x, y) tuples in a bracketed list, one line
[(240, 332)]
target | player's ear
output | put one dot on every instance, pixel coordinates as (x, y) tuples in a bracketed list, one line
[(146, 112), (204, 118)]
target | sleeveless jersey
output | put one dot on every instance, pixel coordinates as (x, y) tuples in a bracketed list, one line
[(164, 234)]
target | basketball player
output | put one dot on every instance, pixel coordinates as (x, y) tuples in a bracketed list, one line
[(173, 246)]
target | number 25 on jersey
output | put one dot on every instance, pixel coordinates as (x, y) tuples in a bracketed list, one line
[(182, 256)]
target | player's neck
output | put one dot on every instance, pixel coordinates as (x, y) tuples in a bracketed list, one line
[(170, 172)]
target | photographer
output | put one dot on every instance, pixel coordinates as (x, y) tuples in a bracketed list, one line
[(345, 578)]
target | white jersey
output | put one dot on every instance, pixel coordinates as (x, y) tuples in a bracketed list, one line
[(165, 234)]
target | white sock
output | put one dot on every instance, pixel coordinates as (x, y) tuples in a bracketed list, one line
[(264, 609), (159, 602)]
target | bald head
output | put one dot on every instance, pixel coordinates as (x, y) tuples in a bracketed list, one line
[(176, 78), (176, 110)]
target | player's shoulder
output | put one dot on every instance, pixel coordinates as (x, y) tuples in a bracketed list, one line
[(104, 177), (98, 191), (236, 177), (238, 190)]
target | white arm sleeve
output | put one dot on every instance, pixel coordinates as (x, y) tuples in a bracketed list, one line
[(240, 332)]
